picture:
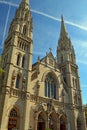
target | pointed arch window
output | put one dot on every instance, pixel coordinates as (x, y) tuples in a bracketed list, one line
[(24, 30), (23, 61), (50, 86), (18, 59), (18, 81), (13, 113), (25, 16)]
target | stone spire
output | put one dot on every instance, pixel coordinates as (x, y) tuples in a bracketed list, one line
[(63, 32), (65, 51), (22, 19), (26, 1)]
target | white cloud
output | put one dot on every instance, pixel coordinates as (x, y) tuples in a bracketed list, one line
[(80, 43), (84, 86), (39, 53), (82, 61), (1, 47), (80, 50)]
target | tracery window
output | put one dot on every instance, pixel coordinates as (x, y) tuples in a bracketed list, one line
[(50, 86), (13, 113), (13, 120)]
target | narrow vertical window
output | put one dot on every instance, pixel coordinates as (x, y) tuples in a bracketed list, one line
[(23, 46), (54, 91), (46, 88), (17, 81), (23, 61), (24, 30), (75, 83), (18, 59)]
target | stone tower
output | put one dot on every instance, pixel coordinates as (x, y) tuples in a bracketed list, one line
[(17, 63), (66, 62)]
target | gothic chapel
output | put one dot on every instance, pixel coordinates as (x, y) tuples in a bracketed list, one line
[(44, 95)]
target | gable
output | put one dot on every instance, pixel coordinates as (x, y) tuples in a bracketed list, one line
[(49, 59)]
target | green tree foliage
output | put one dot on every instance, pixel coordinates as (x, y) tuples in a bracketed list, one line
[(86, 115), (1, 70), (48, 129)]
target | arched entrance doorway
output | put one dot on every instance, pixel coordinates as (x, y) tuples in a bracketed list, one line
[(13, 120), (41, 122), (78, 124), (53, 121), (62, 123)]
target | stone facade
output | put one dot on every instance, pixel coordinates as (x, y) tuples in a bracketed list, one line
[(43, 95)]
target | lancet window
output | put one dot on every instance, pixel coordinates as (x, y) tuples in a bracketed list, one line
[(23, 61), (24, 30), (18, 81), (18, 59)]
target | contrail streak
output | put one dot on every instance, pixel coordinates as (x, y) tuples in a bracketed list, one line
[(6, 24), (57, 19), (46, 15)]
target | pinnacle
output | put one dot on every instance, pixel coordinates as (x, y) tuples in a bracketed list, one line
[(63, 31)]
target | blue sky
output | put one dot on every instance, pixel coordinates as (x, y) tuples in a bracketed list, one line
[(46, 28)]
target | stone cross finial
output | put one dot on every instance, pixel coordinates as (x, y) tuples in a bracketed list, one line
[(50, 49)]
